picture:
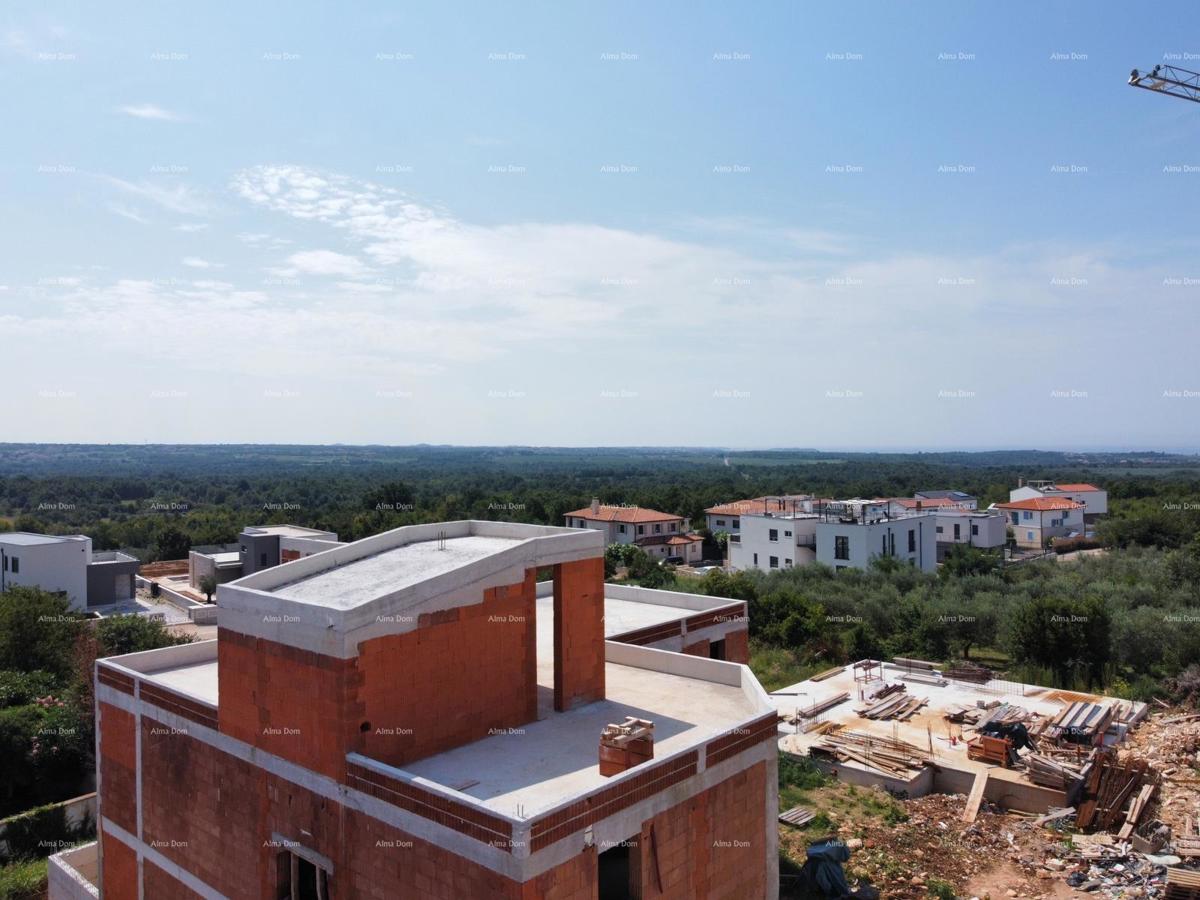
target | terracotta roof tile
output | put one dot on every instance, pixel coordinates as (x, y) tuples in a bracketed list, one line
[(1044, 504), (629, 514)]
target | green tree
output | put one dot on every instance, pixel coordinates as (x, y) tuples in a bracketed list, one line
[(171, 543), (37, 630), (208, 585), (1070, 637), (962, 560)]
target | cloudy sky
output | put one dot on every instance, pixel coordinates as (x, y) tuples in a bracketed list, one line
[(845, 225)]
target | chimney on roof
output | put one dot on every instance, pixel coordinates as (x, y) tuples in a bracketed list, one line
[(1021, 482), (626, 745), (595, 506)]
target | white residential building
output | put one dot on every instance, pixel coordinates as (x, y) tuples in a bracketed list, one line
[(774, 541), (1094, 500), (66, 564), (852, 541), (1038, 520), (847, 533), (983, 528)]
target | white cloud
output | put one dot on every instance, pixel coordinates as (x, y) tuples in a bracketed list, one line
[(196, 262), (179, 198), (150, 111), (326, 262), (128, 213)]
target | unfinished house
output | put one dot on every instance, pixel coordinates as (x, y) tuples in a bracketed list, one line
[(405, 716)]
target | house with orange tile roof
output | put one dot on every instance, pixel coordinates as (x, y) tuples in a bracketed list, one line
[(1036, 521), (1093, 499), (662, 535)]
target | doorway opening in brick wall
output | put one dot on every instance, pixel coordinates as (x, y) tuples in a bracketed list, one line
[(619, 875), (716, 649), (302, 876)]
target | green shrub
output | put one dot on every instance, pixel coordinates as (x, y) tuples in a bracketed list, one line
[(19, 688), (42, 832)]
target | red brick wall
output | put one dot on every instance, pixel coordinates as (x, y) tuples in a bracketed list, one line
[(462, 673), (161, 886), (573, 880), (118, 760), (223, 833), (712, 846), (290, 702), (119, 874), (700, 648), (737, 646), (578, 633), (201, 809)]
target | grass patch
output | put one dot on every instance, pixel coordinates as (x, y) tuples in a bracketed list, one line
[(779, 667), (24, 880), (943, 890)]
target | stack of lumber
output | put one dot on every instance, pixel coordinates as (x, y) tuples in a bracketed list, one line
[(1082, 722), (1114, 791), (1182, 884), (828, 673), (887, 690), (896, 705), (969, 671), (925, 678), (807, 712), (1047, 771), (898, 759), (905, 662)]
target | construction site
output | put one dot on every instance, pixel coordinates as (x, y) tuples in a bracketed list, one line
[(1059, 792)]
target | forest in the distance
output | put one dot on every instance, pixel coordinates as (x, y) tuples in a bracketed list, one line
[(1128, 621)]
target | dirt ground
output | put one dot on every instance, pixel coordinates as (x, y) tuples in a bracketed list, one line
[(918, 849)]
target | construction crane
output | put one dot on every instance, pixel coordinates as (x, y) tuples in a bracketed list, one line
[(1171, 80)]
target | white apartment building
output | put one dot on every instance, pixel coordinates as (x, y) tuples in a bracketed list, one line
[(1037, 520), (774, 541), (852, 540), (847, 533), (1093, 499), (66, 563)]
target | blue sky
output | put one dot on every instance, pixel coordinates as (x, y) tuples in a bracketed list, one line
[(853, 225)]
